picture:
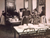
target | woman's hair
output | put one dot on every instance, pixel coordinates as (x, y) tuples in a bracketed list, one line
[(43, 8), (3, 13), (35, 9)]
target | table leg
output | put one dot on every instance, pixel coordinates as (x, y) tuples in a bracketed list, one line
[(14, 34)]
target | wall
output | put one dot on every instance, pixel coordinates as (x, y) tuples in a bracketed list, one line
[(19, 4), (34, 4), (1, 6), (47, 10), (30, 5)]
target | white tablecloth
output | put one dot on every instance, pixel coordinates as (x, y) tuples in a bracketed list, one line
[(20, 28)]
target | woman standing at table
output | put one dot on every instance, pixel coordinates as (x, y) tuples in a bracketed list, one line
[(26, 14)]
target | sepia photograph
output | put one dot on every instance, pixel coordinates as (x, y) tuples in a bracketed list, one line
[(24, 18)]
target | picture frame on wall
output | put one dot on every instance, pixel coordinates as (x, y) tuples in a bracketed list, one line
[(10, 4), (41, 2)]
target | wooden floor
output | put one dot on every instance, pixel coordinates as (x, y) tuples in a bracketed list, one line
[(6, 32)]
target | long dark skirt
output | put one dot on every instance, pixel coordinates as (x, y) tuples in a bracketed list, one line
[(25, 20)]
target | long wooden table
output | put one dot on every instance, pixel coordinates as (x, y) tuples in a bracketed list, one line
[(39, 29)]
